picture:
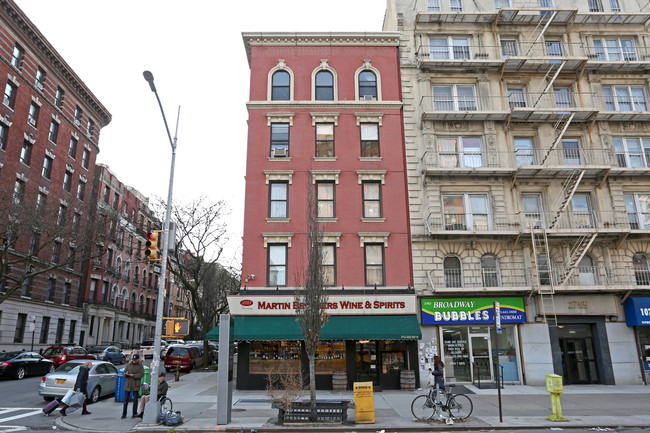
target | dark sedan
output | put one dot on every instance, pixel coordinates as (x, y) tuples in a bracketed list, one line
[(21, 364), (108, 353)]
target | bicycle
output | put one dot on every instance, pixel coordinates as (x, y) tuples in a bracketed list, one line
[(424, 407), (166, 404)]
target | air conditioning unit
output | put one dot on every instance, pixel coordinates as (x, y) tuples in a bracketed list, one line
[(31, 121), (76, 122), (369, 98), (39, 86), (279, 152)]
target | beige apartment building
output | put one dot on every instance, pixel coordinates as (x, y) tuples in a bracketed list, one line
[(528, 160)]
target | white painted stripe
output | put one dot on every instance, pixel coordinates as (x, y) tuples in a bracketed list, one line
[(22, 415), (12, 428), (8, 410)]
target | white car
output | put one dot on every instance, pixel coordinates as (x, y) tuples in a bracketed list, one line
[(146, 348)]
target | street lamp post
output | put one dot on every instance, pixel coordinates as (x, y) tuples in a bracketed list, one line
[(152, 409)]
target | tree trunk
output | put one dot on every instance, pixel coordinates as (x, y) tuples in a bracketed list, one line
[(312, 380)]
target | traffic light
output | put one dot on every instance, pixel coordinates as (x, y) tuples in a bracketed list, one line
[(152, 246), (181, 327)]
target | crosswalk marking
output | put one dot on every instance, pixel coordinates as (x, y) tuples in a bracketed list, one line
[(11, 428), (31, 411)]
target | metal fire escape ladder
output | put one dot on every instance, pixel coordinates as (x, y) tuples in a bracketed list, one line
[(549, 85), (559, 128), (569, 188), (540, 32), (578, 251), (543, 269)]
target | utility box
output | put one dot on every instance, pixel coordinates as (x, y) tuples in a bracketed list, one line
[(364, 403), (554, 383)]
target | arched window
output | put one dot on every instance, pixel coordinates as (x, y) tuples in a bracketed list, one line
[(132, 306), (136, 274), (114, 297), (368, 86), (324, 86), (144, 277), (641, 269), (123, 298), (453, 272), (118, 265), (587, 272), (141, 304), (490, 271), (281, 86)]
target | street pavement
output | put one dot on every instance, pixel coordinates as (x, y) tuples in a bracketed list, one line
[(523, 407)]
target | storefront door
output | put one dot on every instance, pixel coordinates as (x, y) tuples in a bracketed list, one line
[(367, 362), (481, 356), (578, 355)]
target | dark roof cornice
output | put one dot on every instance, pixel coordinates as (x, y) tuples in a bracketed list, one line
[(17, 19)]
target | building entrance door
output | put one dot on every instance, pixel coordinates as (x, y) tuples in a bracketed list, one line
[(481, 356), (367, 362), (578, 356)]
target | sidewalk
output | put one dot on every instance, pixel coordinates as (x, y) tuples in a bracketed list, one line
[(523, 407)]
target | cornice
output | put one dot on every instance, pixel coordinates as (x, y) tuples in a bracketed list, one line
[(381, 39), (327, 105), (22, 25)]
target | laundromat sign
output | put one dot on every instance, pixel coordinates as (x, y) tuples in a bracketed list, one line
[(471, 311)]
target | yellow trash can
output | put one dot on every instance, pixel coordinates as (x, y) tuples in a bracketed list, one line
[(364, 403)]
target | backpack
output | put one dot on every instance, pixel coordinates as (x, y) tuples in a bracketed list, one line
[(172, 418)]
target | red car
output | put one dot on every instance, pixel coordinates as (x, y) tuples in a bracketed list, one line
[(183, 357), (62, 354)]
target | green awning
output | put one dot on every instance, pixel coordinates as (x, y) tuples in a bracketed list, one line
[(270, 328)]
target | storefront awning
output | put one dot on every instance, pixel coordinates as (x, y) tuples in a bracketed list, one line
[(268, 328), (637, 311)]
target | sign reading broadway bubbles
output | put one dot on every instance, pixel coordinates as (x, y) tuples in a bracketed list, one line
[(471, 311)]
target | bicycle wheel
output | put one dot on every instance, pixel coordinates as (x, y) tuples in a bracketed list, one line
[(422, 408), (166, 405), (460, 406)]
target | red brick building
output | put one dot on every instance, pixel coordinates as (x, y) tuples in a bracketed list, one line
[(49, 134), (121, 287), (325, 114)]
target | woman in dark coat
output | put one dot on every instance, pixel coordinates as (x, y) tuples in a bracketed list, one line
[(438, 372), (81, 385)]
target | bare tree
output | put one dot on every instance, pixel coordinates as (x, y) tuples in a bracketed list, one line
[(311, 298), (200, 236), (38, 237)]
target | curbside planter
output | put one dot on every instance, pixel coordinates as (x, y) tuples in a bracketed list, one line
[(323, 412)]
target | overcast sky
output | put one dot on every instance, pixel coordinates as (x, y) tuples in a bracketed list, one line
[(195, 51)]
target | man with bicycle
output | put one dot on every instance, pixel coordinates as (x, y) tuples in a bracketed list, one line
[(163, 387)]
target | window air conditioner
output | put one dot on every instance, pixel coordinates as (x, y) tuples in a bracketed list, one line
[(279, 152), (39, 86), (76, 122), (31, 121), (369, 98)]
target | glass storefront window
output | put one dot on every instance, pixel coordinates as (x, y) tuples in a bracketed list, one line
[(469, 350), (266, 356), (393, 355), (330, 357)]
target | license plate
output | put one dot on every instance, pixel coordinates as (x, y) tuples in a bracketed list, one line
[(60, 381), (176, 362)]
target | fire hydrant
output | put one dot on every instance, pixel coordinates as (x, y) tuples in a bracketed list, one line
[(554, 386)]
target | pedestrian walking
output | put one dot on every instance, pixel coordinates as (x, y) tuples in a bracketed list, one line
[(438, 372), (81, 385), (133, 372)]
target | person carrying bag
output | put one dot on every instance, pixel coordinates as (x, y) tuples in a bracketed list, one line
[(81, 387), (134, 372)]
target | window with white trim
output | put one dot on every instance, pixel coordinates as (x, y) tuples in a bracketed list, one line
[(637, 206), (615, 49), (372, 199), (460, 152), (465, 211), (324, 140), (369, 139), (278, 199), (455, 97), (328, 264), (633, 152), (625, 98), (277, 265), (325, 199), (281, 86), (449, 48), (374, 264)]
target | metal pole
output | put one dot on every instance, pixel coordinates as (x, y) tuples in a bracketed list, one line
[(151, 409), (497, 329)]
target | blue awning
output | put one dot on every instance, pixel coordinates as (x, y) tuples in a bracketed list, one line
[(637, 311)]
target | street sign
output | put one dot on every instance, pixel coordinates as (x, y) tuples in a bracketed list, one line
[(156, 269), (32, 326), (497, 317)]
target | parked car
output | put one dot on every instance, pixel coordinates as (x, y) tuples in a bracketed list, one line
[(183, 357), (175, 341), (108, 353), (101, 380), (62, 354), (213, 350), (146, 348), (21, 364)]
